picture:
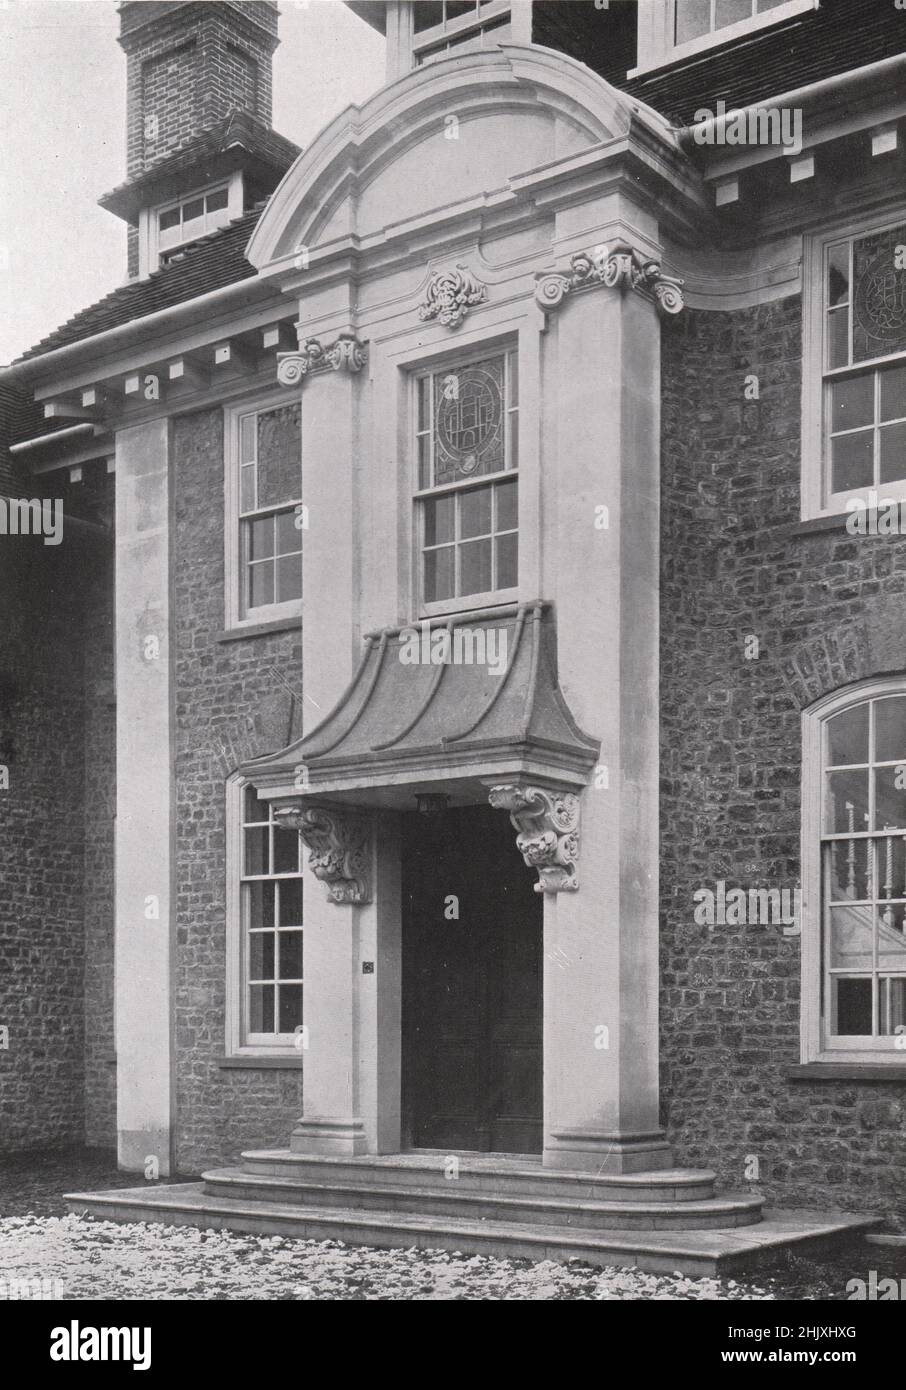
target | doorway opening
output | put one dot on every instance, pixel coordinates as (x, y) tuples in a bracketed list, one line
[(472, 985)]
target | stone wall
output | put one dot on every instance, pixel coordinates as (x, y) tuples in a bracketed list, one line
[(827, 608), (233, 701), (47, 641)]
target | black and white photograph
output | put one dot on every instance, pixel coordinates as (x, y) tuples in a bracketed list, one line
[(453, 667)]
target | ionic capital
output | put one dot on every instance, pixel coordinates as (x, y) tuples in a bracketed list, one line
[(618, 266), (346, 354)]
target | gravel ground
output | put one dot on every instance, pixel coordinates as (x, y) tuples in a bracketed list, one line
[(100, 1260)]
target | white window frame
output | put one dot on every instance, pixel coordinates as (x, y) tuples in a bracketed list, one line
[(150, 250), (816, 1045), (233, 562), (460, 29), (237, 1045), (816, 498), (657, 27), (492, 598)]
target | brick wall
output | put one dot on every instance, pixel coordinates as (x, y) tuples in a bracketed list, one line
[(231, 703), (827, 609), (188, 67)]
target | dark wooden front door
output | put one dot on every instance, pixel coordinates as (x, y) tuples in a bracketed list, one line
[(472, 943)]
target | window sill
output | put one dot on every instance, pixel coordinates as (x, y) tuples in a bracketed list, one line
[(846, 1071), (236, 634), (286, 1063), (835, 522), (470, 604)]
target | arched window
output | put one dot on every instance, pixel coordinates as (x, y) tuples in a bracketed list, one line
[(854, 875)]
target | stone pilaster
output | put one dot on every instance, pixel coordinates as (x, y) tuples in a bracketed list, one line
[(351, 1083), (145, 795), (602, 371)]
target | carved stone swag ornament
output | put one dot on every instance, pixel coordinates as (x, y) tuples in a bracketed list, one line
[(548, 838), (619, 266), (346, 354), (339, 845), (450, 295)]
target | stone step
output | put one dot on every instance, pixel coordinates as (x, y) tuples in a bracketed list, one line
[(717, 1213), (695, 1253), (482, 1173)]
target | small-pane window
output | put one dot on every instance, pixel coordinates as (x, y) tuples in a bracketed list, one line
[(456, 25), (270, 513), (272, 926), (695, 18), (863, 870), (192, 217), (865, 361), (467, 446)]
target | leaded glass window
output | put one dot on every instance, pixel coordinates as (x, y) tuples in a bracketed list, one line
[(863, 870), (270, 515), (865, 361), (271, 891), (467, 441)]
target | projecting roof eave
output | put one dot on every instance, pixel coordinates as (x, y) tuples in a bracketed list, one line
[(239, 141), (374, 12), (424, 721)]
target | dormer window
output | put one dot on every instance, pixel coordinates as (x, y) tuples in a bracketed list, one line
[(192, 217), (673, 29), (424, 31), (166, 229), (446, 26)]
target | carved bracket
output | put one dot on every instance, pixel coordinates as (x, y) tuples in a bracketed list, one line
[(450, 295), (548, 838), (346, 354), (619, 266), (339, 849)]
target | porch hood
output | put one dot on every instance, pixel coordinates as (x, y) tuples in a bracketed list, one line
[(449, 704)]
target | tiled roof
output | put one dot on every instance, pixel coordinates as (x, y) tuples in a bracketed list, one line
[(212, 263), (239, 140), (837, 38)]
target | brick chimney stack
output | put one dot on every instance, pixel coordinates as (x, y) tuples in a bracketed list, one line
[(188, 66)]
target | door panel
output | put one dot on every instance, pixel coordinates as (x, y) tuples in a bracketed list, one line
[(472, 934)]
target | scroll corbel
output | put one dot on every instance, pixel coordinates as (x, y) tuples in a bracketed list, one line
[(547, 823), (339, 846)]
